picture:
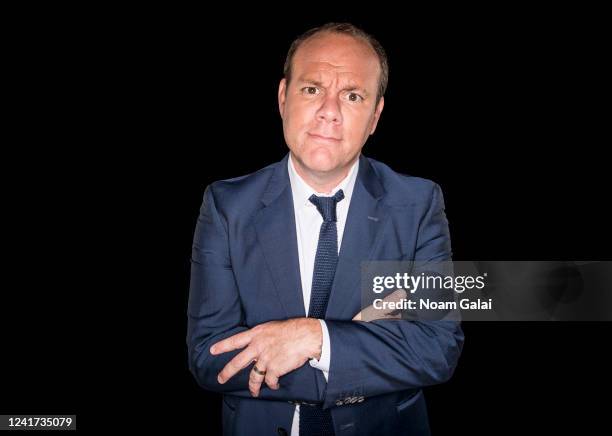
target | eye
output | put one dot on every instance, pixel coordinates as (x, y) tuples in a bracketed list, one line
[(354, 97), (311, 90)]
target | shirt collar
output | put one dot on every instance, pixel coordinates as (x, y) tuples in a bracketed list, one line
[(302, 191)]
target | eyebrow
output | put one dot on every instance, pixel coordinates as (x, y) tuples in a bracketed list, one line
[(348, 88)]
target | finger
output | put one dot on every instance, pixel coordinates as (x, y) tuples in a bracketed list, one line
[(395, 297), (255, 379), (272, 380), (370, 313), (235, 342), (240, 361)]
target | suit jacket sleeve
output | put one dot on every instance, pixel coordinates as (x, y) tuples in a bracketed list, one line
[(384, 356), (215, 313)]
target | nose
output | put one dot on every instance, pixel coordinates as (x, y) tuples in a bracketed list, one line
[(330, 110)]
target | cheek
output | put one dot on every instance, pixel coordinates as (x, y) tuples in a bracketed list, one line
[(302, 121), (357, 128), (301, 114)]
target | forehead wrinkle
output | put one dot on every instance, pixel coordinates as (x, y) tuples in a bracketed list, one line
[(344, 83), (319, 70), (320, 74)]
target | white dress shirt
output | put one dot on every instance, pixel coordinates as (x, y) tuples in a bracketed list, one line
[(308, 222)]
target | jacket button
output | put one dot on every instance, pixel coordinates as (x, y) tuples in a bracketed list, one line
[(281, 431)]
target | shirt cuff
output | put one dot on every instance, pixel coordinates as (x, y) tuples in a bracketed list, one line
[(323, 363)]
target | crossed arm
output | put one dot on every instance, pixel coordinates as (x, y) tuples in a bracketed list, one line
[(277, 348), (373, 358)]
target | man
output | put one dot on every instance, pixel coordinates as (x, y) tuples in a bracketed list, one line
[(277, 256)]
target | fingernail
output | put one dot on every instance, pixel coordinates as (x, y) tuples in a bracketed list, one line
[(212, 350), (220, 380)]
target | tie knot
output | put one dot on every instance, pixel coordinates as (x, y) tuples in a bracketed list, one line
[(327, 205)]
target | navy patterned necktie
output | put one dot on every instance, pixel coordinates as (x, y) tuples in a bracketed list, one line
[(314, 421)]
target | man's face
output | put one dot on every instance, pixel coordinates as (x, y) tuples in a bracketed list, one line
[(329, 108)]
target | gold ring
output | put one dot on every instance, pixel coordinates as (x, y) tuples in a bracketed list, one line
[(257, 371)]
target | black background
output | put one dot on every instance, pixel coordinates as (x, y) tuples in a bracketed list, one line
[(122, 117)]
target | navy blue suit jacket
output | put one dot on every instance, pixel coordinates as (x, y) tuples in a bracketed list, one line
[(245, 271)]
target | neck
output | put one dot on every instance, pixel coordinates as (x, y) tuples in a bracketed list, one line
[(321, 181)]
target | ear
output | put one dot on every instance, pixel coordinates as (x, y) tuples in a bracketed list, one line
[(282, 89), (377, 112)]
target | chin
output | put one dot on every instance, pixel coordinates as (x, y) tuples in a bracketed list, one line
[(321, 161)]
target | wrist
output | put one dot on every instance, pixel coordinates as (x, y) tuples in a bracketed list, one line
[(315, 342)]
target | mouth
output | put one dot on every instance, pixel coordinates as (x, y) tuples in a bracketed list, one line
[(323, 138)]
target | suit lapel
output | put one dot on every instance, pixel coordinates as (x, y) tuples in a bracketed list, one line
[(276, 233), (275, 228), (366, 220)]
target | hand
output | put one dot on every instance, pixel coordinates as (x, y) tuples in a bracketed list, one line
[(277, 347), (371, 314)]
